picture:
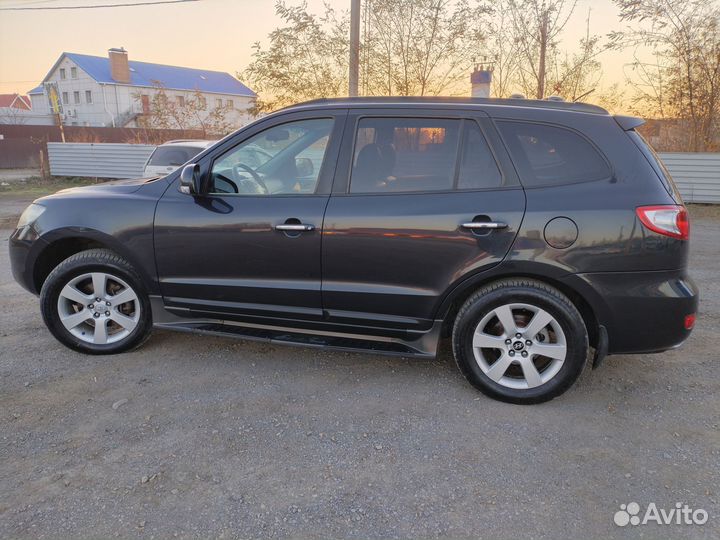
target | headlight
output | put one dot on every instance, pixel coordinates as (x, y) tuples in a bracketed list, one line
[(30, 214)]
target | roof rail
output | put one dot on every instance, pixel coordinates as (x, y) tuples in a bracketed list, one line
[(185, 140), (445, 100)]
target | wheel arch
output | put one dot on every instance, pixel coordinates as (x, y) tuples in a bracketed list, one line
[(588, 307), (60, 244)]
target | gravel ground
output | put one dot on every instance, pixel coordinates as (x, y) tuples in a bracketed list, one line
[(206, 437), (18, 175)]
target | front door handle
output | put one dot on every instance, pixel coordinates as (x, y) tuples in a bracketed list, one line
[(484, 225), (294, 227)]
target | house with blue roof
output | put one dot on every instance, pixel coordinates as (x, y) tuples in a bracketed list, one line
[(114, 91)]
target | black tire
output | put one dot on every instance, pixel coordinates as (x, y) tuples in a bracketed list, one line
[(94, 260), (520, 291)]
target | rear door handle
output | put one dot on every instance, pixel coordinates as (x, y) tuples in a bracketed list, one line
[(484, 225), (296, 227)]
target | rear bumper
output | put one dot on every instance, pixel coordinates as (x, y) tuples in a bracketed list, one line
[(643, 312)]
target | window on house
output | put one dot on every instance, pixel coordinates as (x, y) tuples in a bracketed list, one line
[(145, 100), (229, 104), (76, 97), (73, 72), (181, 101), (404, 154), (62, 73), (65, 98), (218, 103), (203, 103), (88, 96)]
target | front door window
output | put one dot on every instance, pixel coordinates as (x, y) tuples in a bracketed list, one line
[(282, 160)]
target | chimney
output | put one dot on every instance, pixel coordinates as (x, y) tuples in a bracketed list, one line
[(119, 68), (480, 80)]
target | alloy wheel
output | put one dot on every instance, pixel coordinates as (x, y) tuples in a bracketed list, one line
[(519, 346), (98, 308)]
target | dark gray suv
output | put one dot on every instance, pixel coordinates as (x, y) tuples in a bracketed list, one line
[(537, 234)]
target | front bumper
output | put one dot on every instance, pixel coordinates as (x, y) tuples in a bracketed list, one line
[(643, 312), (22, 243)]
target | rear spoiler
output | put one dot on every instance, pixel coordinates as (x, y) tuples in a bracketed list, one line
[(628, 122)]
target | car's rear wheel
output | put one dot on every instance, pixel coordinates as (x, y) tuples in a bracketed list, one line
[(520, 341), (94, 302)]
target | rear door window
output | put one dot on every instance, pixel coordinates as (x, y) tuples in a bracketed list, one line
[(478, 168), (404, 155), (549, 155)]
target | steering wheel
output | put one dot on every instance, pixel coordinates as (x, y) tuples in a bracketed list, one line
[(254, 175)]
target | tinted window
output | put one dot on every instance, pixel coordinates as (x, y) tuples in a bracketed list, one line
[(548, 155), (656, 163), (282, 160), (478, 169), (175, 156), (404, 154)]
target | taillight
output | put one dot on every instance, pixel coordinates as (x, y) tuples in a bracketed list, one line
[(689, 321), (670, 220)]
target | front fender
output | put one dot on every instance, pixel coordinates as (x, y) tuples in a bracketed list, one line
[(137, 249)]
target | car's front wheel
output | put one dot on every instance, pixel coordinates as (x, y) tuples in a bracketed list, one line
[(94, 302), (520, 341)]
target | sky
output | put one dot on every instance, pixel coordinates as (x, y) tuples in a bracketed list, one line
[(208, 34)]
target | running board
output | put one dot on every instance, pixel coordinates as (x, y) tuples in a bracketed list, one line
[(282, 336)]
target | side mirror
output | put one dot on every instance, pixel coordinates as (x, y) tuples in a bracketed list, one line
[(190, 182), (304, 167)]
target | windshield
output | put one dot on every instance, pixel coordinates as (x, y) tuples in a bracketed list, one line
[(166, 156)]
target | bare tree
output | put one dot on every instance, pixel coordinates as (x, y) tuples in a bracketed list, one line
[(537, 26), (189, 113), (525, 45), (409, 47), (419, 47), (502, 49), (11, 115), (683, 81), (306, 58)]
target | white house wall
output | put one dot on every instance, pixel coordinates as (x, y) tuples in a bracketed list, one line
[(115, 103)]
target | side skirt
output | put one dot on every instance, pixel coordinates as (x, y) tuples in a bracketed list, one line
[(422, 344)]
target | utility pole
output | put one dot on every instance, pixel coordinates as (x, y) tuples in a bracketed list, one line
[(354, 47)]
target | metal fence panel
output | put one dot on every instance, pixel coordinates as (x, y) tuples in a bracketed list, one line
[(102, 160), (697, 175)]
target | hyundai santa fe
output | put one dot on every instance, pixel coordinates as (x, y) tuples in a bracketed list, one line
[(538, 235)]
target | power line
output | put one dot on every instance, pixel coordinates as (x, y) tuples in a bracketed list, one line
[(97, 6), (27, 3)]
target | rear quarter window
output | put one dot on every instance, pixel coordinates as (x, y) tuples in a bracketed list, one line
[(546, 155), (656, 163)]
